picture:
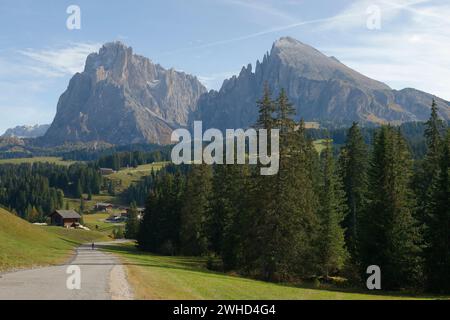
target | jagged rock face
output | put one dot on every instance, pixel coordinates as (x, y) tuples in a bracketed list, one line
[(27, 131), (321, 88), (123, 98)]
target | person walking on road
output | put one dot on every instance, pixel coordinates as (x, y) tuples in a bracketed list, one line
[(93, 246)]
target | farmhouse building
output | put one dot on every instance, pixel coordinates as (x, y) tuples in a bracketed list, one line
[(65, 218), (103, 207)]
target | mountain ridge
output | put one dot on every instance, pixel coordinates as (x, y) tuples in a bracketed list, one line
[(321, 88), (26, 131), (125, 98)]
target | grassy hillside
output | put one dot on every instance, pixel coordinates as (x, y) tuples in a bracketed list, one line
[(98, 219), (156, 277), (53, 160), (25, 245), (127, 176), (321, 145)]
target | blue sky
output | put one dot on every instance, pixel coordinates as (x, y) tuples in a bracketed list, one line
[(213, 39)]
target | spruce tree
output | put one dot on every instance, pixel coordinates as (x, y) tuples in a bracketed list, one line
[(147, 238), (353, 165), (389, 235), (286, 220), (132, 224), (193, 233), (82, 205), (437, 252), (78, 189), (332, 212), (266, 108), (429, 167), (228, 209)]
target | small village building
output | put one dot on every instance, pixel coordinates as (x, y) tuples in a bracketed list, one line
[(65, 218), (104, 207)]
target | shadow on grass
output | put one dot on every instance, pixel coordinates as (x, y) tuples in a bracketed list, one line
[(197, 265)]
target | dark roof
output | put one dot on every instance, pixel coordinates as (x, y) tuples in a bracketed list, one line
[(68, 214)]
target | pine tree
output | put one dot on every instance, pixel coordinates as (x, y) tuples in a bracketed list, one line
[(132, 224), (285, 217), (332, 212), (145, 235), (266, 109), (433, 131), (193, 233), (437, 234), (228, 206), (284, 114), (389, 235), (82, 205), (353, 165), (78, 189), (430, 165), (274, 209)]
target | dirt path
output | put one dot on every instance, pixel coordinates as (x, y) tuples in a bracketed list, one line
[(102, 278)]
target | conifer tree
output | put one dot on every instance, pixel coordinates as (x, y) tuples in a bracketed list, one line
[(266, 109), (228, 208), (433, 131), (430, 165), (353, 165), (82, 205), (78, 189), (287, 224), (389, 237), (147, 238), (277, 208), (193, 234), (132, 224), (437, 234), (284, 114), (332, 212)]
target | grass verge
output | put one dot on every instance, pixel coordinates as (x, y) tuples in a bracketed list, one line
[(175, 278)]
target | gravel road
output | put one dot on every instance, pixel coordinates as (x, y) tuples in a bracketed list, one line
[(102, 278)]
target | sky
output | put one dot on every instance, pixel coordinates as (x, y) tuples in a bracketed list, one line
[(404, 43)]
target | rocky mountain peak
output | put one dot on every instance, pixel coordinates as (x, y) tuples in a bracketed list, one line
[(122, 98), (321, 88)]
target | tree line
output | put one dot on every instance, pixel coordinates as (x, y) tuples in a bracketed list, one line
[(321, 215), (119, 160), (33, 191)]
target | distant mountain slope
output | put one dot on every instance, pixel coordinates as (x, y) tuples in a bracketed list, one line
[(123, 98), (321, 88), (27, 131)]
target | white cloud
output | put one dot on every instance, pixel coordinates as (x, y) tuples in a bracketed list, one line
[(265, 8), (412, 51), (356, 14), (36, 72), (56, 62)]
